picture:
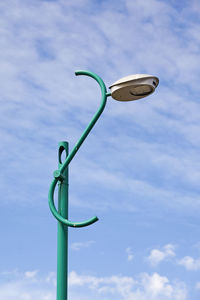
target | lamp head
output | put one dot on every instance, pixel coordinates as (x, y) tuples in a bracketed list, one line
[(133, 87)]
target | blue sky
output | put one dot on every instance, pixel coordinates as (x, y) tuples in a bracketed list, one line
[(139, 169)]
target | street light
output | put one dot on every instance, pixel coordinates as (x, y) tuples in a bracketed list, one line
[(134, 87), (126, 89)]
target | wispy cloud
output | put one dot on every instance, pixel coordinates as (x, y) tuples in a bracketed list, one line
[(27, 286), (146, 152), (38, 87), (79, 245), (129, 253), (157, 256), (31, 274), (197, 286), (145, 286), (190, 263)]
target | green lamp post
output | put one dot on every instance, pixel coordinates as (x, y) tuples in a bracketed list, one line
[(129, 88)]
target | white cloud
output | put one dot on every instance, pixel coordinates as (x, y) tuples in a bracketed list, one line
[(129, 253), (146, 287), (197, 286), (29, 285), (142, 190), (31, 274), (78, 245), (190, 263), (17, 286), (43, 42), (40, 49), (156, 256)]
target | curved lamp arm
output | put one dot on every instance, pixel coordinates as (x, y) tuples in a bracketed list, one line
[(58, 176)]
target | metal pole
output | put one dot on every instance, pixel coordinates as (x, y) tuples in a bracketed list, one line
[(62, 238), (61, 178)]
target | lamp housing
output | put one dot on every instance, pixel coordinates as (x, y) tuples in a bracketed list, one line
[(134, 87)]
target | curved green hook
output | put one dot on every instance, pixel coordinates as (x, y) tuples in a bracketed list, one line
[(58, 216), (58, 173)]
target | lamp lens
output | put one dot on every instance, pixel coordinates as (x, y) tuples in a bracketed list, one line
[(141, 90)]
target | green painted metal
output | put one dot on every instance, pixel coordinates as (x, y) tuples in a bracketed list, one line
[(59, 173), (61, 178), (62, 236)]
